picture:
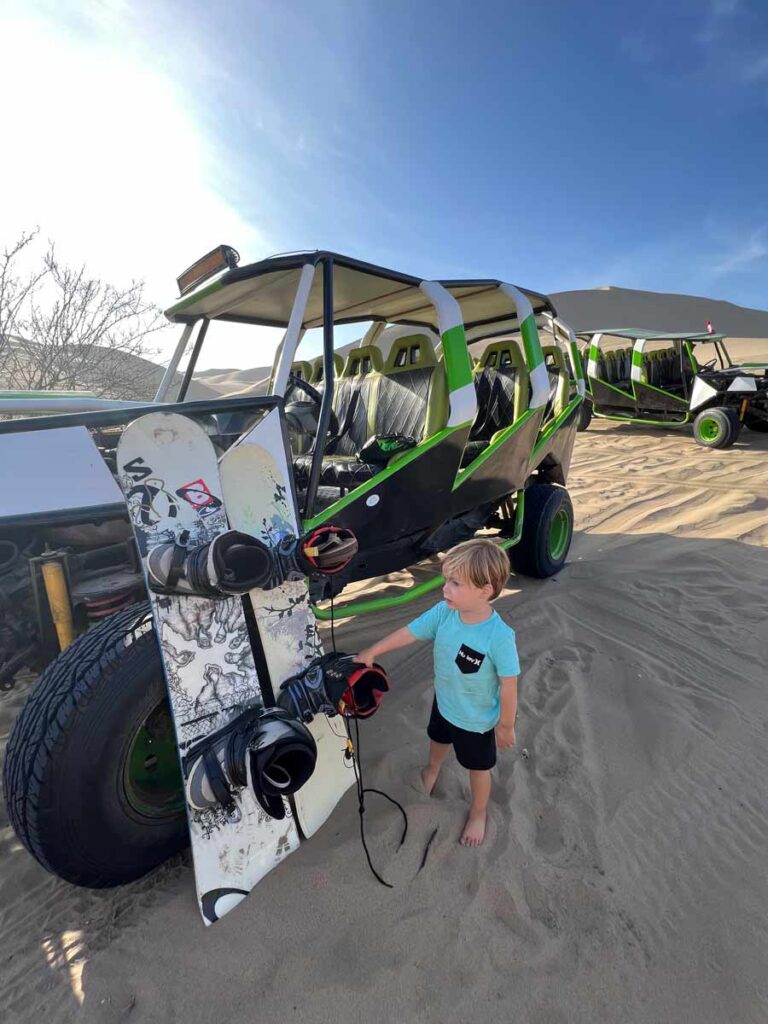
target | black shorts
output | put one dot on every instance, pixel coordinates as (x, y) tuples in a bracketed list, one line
[(474, 750)]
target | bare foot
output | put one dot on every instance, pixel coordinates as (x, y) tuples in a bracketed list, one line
[(429, 778), (474, 829)]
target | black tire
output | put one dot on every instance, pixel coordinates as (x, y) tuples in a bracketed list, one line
[(68, 794), (756, 423), (548, 510), (585, 415), (716, 427)]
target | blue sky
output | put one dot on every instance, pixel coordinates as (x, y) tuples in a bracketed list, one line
[(555, 144)]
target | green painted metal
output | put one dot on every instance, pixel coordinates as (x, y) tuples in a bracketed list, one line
[(531, 342), (195, 296), (458, 365), (464, 474), (384, 603), (555, 424), (152, 777), (639, 419), (559, 533), (708, 429)]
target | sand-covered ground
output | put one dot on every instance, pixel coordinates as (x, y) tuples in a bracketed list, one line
[(623, 878)]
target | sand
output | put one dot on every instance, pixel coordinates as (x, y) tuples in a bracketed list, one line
[(623, 876)]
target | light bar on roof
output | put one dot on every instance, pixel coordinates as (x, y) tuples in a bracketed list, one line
[(223, 257)]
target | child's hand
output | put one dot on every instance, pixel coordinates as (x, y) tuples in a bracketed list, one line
[(505, 736), (365, 657)]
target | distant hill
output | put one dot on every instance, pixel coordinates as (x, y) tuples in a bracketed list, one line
[(658, 311)]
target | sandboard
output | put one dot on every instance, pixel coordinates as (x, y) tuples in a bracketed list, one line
[(168, 469), (259, 497)]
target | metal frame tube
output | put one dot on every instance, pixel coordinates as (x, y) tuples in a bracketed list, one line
[(170, 373), (326, 405), (193, 360)]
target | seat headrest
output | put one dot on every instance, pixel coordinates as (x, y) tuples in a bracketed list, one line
[(502, 354), (411, 353), (362, 360), (317, 366), (301, 368)]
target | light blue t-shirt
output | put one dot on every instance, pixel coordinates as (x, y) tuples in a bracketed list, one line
[(468, 663)]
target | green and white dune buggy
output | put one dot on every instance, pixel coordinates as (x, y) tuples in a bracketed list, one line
[(448, 417), (653, 377)]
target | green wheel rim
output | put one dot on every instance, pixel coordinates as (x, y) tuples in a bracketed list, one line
[(709, 429), (559, 534), (152, 777)]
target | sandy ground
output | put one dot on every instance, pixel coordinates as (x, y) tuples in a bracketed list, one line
[(623, 877)]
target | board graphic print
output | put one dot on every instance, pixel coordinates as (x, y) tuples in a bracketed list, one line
[(259, 497), (168, 469)]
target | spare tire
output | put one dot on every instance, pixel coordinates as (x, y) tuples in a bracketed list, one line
[(91, 775)]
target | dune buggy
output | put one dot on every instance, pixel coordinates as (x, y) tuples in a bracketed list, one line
[(652, 377), (448, 417)]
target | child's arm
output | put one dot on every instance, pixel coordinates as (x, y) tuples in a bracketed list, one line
[(505, 730), (400, 638)]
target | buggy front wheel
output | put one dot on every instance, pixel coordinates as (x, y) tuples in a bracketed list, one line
[(717, 427)]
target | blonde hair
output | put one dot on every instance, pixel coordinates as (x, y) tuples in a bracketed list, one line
[(479, 562)]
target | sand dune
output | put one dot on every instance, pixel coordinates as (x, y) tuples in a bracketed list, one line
[(623, 877), (593, 308)]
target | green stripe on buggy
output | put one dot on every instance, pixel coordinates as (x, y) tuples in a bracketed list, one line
[(381, 604), (463, 475), (458, 366), (397, 463), (531, 343), (555, 424)]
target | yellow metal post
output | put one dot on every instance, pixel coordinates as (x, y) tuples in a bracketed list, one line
[(58, 601)]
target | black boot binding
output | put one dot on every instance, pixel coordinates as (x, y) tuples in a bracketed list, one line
[(334, 684), (235, 562), (264, 748)]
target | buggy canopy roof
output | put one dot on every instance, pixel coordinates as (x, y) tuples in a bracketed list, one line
[(264, 293), (638, 334)]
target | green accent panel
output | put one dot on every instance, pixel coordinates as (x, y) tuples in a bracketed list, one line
[(458, 365), (638, 419), (555, 424), (576, 357), (370, 485), (193, 297), (637, 358), (500, 439), (594, 351), (383, 603), (530, 335)]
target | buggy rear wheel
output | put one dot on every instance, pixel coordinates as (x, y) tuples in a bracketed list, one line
[(756, 423), (91, 775), (717, 427), (547, 531), (585, 415)]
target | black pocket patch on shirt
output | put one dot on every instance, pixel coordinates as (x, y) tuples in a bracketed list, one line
[(468, 660)]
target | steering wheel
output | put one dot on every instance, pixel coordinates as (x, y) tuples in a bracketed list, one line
[(315, 398), (710, 365)]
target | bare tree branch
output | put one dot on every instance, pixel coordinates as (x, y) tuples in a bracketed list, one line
[(61, 329)]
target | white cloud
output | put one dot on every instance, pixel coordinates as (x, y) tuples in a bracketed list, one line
[(756, 69), (104, 151), (743, 254)]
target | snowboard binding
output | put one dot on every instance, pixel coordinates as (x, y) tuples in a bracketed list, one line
[(334, 684), (235, 562), (266, 749)]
